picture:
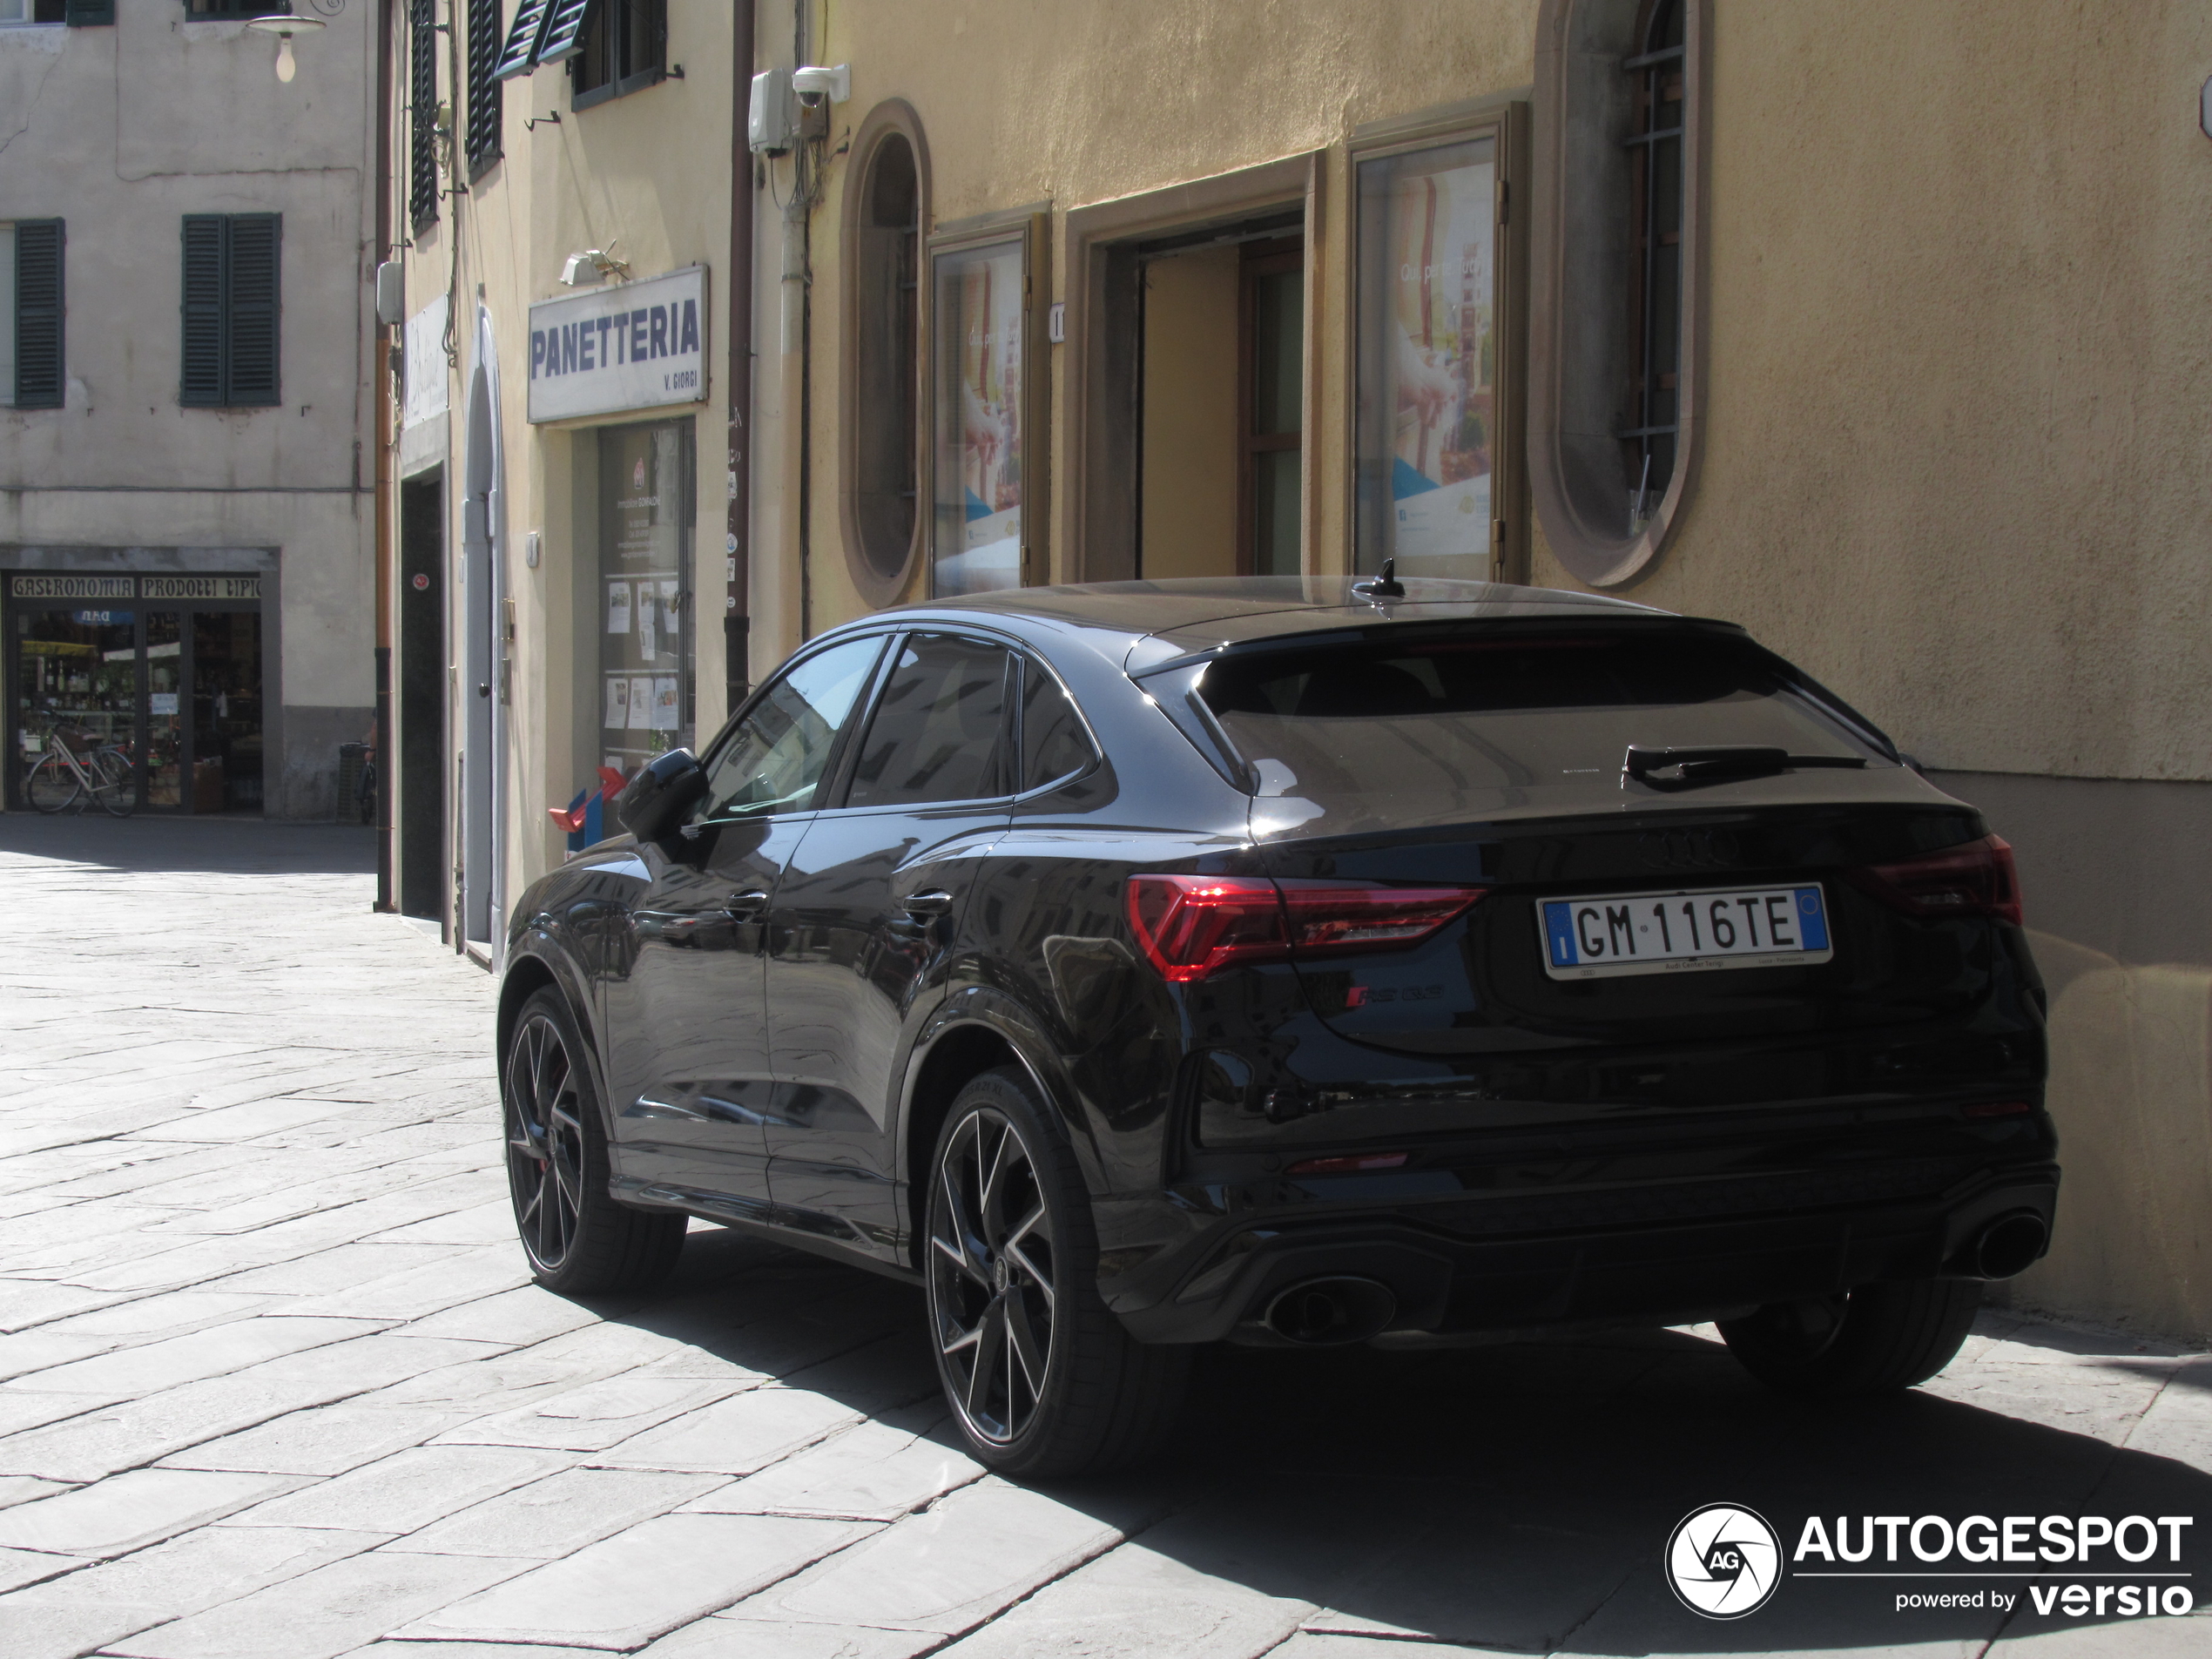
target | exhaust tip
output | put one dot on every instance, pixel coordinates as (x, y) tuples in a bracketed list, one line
[(2010, 1244), (1322, 1311)]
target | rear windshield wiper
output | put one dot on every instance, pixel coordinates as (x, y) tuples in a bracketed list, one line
[(1688, 768)]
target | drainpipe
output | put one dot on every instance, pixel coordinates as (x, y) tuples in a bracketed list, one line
[(736, 605), (387, 766)]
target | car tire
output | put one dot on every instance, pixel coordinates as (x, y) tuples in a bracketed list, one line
[(579, 1241), (1042, 1379), (1877, 1339)]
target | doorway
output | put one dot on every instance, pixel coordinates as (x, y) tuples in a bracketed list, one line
[(422, 743)]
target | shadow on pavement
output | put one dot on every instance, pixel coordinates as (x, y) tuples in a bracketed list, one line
[(1516, 1497), (211, 846)]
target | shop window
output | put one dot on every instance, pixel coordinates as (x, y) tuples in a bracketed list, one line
[(30, 314), (1614, 389), (422, 100), (485, 106), (645, 691), (882, 428), (1433, 426), (980, 327), (231, 310)]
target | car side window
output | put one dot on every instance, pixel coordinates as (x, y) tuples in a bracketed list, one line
[(1054, 744), (773, 761), (935, 733)]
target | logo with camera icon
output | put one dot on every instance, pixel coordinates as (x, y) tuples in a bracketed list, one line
[(1724, 1561)]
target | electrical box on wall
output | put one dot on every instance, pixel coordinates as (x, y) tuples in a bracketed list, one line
[(768, 121)]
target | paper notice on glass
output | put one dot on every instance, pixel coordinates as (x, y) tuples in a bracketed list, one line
[(671, 618), (617, 702), (664, 703), (641, 703), (161, 702), (647, 610), (619, 607)]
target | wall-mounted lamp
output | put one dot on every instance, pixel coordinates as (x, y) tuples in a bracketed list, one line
[(284, 26), (591, 267)]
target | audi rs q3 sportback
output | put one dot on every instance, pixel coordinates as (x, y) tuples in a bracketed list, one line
[(1276, 962)]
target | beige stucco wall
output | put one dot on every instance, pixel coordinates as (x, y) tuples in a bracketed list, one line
[(1955, 458)]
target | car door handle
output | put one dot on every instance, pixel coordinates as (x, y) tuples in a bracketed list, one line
[(746, 905), (935, 902)]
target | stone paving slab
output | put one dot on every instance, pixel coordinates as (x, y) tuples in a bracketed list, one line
[(273, 1381)]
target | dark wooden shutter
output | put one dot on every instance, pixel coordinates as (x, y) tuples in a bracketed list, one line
[(38, 313), (85, 14), (256, 244), (484, 102), (422, 97), (205, 243)]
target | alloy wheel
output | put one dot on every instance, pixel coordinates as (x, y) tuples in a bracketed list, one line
[(545, 1142), (993, 1294)]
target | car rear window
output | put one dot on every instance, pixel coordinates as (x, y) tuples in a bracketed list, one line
[(1458, 715)]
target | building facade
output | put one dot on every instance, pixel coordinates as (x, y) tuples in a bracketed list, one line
[(1875, 328), (187, 444)]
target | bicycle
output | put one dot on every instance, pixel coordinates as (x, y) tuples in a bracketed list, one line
[(60, 776)]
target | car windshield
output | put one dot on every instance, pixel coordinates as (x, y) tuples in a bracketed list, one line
[(1455, 717)]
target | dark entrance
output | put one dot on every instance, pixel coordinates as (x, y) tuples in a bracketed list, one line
[(421, 803), (168, 667)]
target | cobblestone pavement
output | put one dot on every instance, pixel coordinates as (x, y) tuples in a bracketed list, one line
[(276, 1383)]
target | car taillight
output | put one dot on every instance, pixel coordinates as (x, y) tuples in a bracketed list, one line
[(1976, 879), (1192, 925)]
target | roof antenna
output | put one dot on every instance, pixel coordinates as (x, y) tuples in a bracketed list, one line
[(1386, 586)]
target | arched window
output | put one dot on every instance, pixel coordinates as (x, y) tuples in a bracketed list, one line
[(1614, 362), (885, 208)]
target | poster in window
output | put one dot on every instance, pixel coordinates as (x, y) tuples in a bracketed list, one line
[(664, 703), (979, 460), (641, 703), (648, 612), (619, 607), (617, 702), (1428, 358)]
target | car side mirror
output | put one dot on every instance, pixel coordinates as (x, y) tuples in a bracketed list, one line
[(653, 802)]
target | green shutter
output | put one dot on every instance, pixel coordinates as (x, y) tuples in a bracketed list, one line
[(564, 28), (205, 243), (38, 313), (85, 14), (257, 241), (484, 102), (521, 54)]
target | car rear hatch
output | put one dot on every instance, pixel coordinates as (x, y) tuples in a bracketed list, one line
[(1636, 778)]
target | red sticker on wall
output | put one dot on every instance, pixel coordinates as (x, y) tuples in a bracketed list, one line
[(421, 582)]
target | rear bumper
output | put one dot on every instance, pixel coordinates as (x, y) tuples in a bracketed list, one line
[(1566, 1274)]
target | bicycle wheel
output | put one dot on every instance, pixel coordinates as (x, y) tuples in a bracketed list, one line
[(52, 785), (115, 785)]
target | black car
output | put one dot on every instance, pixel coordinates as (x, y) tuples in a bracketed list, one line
[(1280, 961)]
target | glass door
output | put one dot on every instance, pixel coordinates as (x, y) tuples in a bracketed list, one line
[(227, 710), (165, 751)]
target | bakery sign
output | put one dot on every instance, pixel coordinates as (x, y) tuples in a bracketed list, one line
[(633, 346)]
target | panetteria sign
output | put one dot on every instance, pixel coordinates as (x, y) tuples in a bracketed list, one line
[(632, 345)]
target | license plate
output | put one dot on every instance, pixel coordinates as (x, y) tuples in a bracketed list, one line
[(1683, 932)]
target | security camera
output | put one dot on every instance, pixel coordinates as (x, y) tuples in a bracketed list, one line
[(816, 83)]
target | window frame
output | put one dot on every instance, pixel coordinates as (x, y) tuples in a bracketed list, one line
[(1505, 123), (1026, 231), (1028, 662), (1579, 296), (849, 759), (893, 117), (832, 768), (611, 15)]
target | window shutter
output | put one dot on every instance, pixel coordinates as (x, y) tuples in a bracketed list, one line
[(564, 29), (202, 381), (484, 101), (86, 14), (422, 94), (521, 54), (256, 244), (38, 313)]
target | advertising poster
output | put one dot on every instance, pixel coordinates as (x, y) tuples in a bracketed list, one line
[(1429, 358), (979, 421)]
